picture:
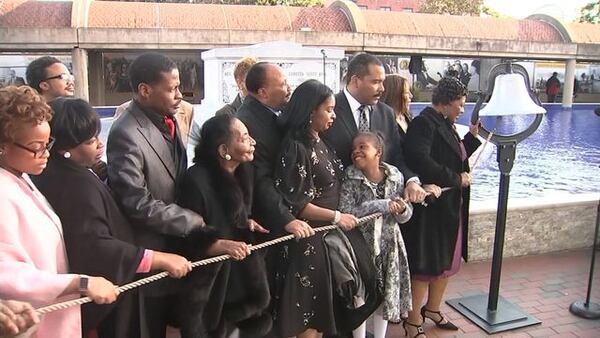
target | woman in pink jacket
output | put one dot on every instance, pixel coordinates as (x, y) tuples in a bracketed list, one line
[(33, 262)]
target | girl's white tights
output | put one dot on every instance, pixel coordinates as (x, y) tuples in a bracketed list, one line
[(379, 326)]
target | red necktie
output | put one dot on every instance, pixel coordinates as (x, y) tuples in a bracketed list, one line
[(170, 125)]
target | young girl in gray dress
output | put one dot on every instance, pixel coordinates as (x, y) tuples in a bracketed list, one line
[(370, 186)]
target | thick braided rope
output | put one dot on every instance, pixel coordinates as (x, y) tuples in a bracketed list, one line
[(212, 260)]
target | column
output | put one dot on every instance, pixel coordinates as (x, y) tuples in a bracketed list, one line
[(80, 71), (567, 101)]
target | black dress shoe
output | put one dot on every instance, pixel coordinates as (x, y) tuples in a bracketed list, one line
[(417, 328), (446, 326)]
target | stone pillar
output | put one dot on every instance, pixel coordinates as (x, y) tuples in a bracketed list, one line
[(80, 71), (567, 100)]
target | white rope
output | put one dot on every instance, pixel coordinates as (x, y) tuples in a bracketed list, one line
[(212, 260), (477, 159), (487, 140)]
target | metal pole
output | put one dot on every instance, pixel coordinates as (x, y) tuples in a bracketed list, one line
[(506, 156), (498, 242), (589, 288), (324, 68), (588, 309)]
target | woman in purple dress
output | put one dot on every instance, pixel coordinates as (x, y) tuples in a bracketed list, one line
[(436, 236)]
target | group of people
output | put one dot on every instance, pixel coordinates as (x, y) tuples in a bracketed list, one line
[(277, 163)]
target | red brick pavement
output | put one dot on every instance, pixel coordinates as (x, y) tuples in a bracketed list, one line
[(543, 286)]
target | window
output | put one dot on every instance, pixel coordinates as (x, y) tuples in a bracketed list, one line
[(385, 9), (407, 10)]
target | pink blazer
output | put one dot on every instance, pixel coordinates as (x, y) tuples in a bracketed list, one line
[(33, 260)]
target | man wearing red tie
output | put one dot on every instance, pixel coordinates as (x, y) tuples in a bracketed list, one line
[(146, 160)]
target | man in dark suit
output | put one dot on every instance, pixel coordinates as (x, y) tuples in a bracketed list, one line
[(268, 92), (146, 160), (357, 108)]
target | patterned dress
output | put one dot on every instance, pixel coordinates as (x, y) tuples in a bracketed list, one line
[(362, 197), (303, 295)]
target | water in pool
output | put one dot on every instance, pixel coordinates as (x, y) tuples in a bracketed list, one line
[(562, 156)]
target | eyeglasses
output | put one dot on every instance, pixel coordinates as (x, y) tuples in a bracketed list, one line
[(64, 76), (37, 152)]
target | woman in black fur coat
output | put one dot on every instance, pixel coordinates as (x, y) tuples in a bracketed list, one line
[(224, 297)]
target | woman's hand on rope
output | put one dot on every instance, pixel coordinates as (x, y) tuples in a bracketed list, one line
[(397, 207), (347, 222), (237, 250), (414, 193), (465, 179), (299, 229), (474, 128), (433, 189), (101, 291), (255, 227), (177, 266), (16, 317)]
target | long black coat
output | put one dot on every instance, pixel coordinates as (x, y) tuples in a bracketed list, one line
[(234, 294), (433, 152), (269, 208), (382, 120), (98, 240)]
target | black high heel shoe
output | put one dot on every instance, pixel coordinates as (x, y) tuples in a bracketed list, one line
[(419, 328), (446, 326)]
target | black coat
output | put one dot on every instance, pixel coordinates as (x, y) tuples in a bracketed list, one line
[(382, 119), (234, 294), (98, 240), (269, 208), (433, 152), (230, 108)]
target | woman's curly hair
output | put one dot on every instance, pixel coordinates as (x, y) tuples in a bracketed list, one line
[(448, 89), (20, 105)]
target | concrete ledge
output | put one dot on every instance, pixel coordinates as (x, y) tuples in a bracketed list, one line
[(534, 225), (27, 39)]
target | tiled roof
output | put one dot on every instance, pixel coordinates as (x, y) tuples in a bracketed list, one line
[(203, 16), (24, 13), (116, 14), (584, 33), (420, 24)]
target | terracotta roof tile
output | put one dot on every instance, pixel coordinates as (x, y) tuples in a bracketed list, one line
[(275, 18), (24, 13), (459, 26), (122, 14), (190, 15), (322, 20), (533, 30), (584, 32)]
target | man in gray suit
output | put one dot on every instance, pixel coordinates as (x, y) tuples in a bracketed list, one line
[(146, 160), (358, 109)]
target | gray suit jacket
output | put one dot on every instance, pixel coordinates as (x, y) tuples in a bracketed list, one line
[(143, 176)]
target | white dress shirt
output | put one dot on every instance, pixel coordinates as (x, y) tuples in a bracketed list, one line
[(354, 107)]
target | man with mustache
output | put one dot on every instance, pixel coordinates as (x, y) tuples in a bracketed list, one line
[(146, 162), (358, 109), (50, 77), (268, 93)]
